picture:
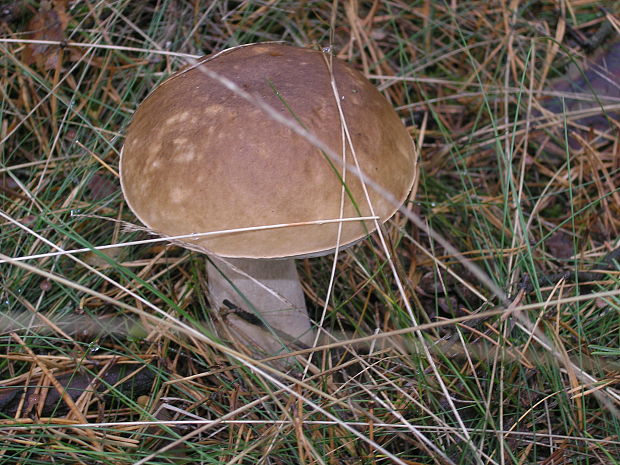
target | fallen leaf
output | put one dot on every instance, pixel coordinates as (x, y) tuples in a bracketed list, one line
[(98, 261), (590, 85), (12, 11), (49, 23), (101, 187), (138, 383), (560, 245)]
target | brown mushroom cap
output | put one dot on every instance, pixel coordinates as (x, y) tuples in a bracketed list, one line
[(200, 158)]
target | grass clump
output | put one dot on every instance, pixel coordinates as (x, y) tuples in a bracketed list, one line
[(502, 346)]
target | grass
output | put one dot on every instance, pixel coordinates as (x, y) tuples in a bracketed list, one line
[(502, 347)]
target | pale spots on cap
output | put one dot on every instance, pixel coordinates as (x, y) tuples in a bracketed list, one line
[(153, 149), (213, 110), (171, 120), (178, 195), (187, 156), (259, 49), (177, 118), (141, 189), (138, 144), (180, 141), (153, 215), (153, 157), (131, 144), (209, 158)]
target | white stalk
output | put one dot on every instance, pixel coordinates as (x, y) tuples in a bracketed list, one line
[(261, 302)]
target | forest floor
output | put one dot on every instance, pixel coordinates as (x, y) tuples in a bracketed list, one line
[(486, 332)]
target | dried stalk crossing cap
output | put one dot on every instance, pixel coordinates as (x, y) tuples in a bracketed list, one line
[(198, 157)]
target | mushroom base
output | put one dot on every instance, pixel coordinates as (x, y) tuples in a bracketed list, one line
[(261, 303)]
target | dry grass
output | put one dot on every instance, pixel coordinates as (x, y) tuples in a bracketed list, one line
[(497, 340)]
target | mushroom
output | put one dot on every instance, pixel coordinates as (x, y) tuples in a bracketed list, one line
[(200, 157)]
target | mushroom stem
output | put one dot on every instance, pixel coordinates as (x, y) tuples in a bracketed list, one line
[(260, 302)]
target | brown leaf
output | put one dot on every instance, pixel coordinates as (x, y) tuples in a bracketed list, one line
[(140, 382), (590, 85), (12, 11), (7, 183), (560, 245), (98, 261), (101, 187), (48, 24)]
